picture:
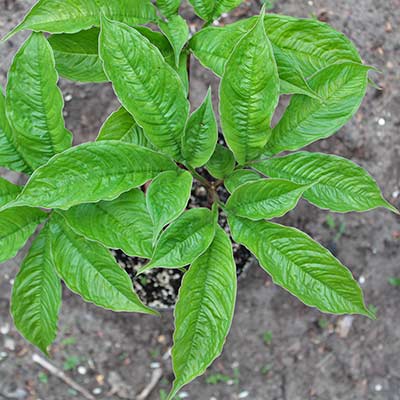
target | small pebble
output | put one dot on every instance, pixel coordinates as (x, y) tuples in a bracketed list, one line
[(213, 398), (378, 387), (154, 365), (235, 364), (97, 390), (183, 395), (396, 194), (244, 394), (82, 370), (310, 3), (68, 97), (9, 344), (4, 329), (3, 355), (381, 122), (361, 280)]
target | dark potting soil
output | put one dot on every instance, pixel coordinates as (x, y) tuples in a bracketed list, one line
[(159, 288)]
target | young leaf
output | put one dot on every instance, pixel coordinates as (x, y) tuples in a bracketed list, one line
[(221, 163), (123, 223), (204, 311), (265, 199), (8, 191), (201, 134), (70, 16), (158, 105), (91, 172), (240, 177), (249, 94), (168, 7), (10, 156), (120, 125), (34, 103), (36, 295), (89, 270), (341, 88), (77, 56), (338, 184), (184, 240), (16, 226), (177, 32), (212, 9), (167, 198), (301, 266)]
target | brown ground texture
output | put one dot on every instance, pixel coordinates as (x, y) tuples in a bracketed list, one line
[(278, 349)]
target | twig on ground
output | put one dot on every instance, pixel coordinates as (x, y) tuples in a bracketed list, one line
[(155, 377)]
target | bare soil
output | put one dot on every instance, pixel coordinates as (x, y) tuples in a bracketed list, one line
[(278, 349)]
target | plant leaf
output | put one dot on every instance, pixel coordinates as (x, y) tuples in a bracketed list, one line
[(89, 270), (177, 32), (34, 103), (204, 311), (8, 191), (77, 56), (212, 9), (10, 157), (221, 163), (301, 266), (168, 7), (184, 240), (338, 184), (91, 172), (158, 105), (36, 295), (167, 198), (265, 199), (201, 134), (16, 226), (249, 93), (341, 88), (123, 223), (120, 125), (70, 16), (240, 177)]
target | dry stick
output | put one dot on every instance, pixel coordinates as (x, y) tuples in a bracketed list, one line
[(60, 374)]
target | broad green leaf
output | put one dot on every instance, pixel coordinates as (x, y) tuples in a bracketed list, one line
[(70, 16), (184, 240), (16, 226), (212, 9), (10, 156), (123, 223), (201, 134), (240, 177), (221, 163), (158, 105), (341, 88), (168, 7), (167, 197), (265, 199), (77, 56), (338, 184), (204, 311), (120, 125), (91, 172), (34, 103), (8, 191), (182, 70), (36, 295), (89, 270), (301, 47), (301, 266), (249, 93), (177, 32)]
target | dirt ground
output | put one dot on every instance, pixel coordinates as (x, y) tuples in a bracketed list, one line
[(278, 349)]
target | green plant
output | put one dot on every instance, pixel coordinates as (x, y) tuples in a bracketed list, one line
[(92, 197)]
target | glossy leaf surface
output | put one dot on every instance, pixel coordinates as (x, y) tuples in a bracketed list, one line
[(89, 270), (201, 134), (301, 266), (240, 177), (8, 191), (159, 105), (16, 226), (123, 223), (249, 93), (167, 197), (34, 103), (36, 295), (184, 240), (212, 9), (265, 199), (91, 172), (221, 163), (338, 184), (204, 311), (168, 7)]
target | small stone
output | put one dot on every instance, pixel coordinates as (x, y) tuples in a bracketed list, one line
[(378, 387), (154, 365), (381, 122), (68, 97), (361, 280), (344, 325), (235, 364), (82, 370), (4, 329), (183, 395), (310, 3), (244, 394), (3, 355), (9, 344), (97, 390), (396, 194)]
